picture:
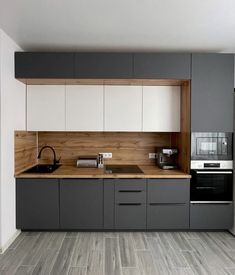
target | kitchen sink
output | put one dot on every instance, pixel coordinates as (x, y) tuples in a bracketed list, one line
[(43, 168)]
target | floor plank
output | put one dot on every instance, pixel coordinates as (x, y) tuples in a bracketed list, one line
[(128, 258), (112, 257)]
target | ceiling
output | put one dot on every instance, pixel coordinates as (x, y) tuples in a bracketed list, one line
[(121, 25)]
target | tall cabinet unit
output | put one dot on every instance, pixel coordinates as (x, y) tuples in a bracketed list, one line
[(212, 92)]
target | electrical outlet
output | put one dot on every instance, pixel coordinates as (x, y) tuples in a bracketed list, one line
[(107, 155), (152, 155)]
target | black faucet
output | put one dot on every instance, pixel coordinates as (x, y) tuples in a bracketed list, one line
[(55, 161)]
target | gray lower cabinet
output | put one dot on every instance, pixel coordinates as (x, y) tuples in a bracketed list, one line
[(168, 204), (37, 204), (130, 204), (211, 216), (81, 204), (168, 216), (109, 203)]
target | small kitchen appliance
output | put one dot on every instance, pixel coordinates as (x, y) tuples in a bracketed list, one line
[(87, 162), (166, 158)]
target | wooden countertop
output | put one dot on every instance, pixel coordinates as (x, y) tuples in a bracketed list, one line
[(73, 172)]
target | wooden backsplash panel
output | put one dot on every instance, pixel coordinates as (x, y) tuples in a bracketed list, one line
[(25, 150), (127, 148)]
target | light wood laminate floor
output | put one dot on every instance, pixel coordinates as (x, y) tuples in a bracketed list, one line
[(78, 253)]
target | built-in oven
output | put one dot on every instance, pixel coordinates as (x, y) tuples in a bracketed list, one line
[(212, 183), (211, 146)]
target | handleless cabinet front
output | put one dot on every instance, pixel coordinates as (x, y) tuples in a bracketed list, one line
[(168, 204), (37, 204), (104, 65), (81, 204), (162, 65)]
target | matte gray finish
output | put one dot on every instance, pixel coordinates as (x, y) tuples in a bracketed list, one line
[(162, 65), (130, 216), (103, 65), (81, 203), (37, 204), (44, 65), (168, 190), (211, 216), (130, 191), (212, 92), (109, 191), (168, 216)]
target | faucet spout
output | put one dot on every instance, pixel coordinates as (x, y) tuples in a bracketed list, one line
[(55, 161)]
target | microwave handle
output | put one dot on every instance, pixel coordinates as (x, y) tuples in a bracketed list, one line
[(214, 172)]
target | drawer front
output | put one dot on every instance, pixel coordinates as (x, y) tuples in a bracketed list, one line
[(211, 216), (130, 184), (168, 191), (130, 196), (130, 216), (168, 216)]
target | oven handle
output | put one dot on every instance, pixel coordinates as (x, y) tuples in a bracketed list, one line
[(214, 172), (211, 202)]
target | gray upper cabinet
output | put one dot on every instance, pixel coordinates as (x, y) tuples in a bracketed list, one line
[(103, 65), (212, 92), (37, 204), (162, 65), (44, 65), (81, 204)]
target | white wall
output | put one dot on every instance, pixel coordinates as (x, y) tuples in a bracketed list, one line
[(12, 117)]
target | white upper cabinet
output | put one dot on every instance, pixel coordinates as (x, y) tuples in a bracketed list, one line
[(161, 108), (84, 108), (123, 108), (45, 107)]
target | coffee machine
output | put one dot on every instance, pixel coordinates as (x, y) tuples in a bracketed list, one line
[(166, 158)]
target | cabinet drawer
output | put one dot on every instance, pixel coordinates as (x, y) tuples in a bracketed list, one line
[(211, 216), (130, 196), (130, 216), (130, 184), (168, 191), (168, 216)]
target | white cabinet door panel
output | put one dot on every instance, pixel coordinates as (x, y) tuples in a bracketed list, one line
[(123, 108), (46, 107), (84, 108), (161, 108)]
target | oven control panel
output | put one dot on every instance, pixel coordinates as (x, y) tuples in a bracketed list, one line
[(211, 164)]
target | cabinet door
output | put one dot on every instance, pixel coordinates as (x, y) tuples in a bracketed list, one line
[(168, 191), (161, 108), (37, 204), (109, 203), (168, 216), (212, 93), (81, 204), (44, 65), (162, 65), (123, 108), (45, 108), (103, 65), (211, 216), (84, 108)]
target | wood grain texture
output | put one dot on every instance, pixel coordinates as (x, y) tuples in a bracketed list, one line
[(172, 253), (162, 82), (127, 148), (25, 150), (69, 171), (182, 140)]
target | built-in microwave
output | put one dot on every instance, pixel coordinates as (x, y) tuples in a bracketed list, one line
[(211, 146)]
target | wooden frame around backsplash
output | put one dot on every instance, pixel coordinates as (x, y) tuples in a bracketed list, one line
[(127, 147)]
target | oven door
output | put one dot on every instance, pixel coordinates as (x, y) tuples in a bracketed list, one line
[(211, 186)]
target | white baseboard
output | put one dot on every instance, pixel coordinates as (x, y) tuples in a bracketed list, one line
[(9, 242)]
